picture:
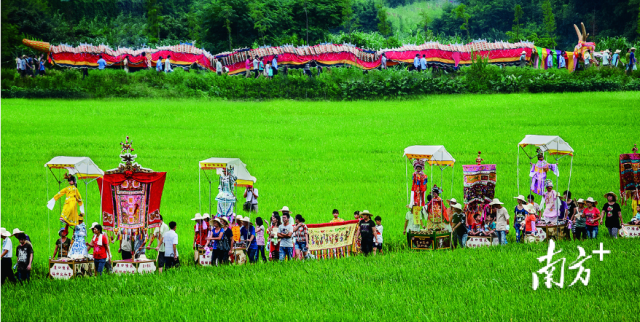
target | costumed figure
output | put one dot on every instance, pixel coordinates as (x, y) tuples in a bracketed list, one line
[(69, 215), (551, 210), (225, 198), (435, 210), (419, 186), (538, 173), (78, 243)]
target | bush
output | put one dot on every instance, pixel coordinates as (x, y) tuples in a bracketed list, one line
[(333, 84)]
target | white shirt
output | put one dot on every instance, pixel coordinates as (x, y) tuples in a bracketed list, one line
[(411, 226), (379, 234), (219, 67), (286, 241), (170, 239), (605, 59), (587, 58), (254, 201), (8, 246), (167, 65)]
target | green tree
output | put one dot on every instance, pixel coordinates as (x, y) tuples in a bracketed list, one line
[(425, 20), (549, 20), (153, 21), (384, 26), (460, 12), (227, 14), (517, 15), (261, 18)]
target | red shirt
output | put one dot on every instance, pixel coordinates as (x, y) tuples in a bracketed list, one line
[(590, 214), (528, 221), (100, 251)]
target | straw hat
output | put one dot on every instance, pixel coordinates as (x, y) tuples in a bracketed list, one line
[(4, 232), (225, 219), (521, 198), (197, 217), (580, 200), (206, 216), (633, 48), (17, 231), (365, 212), (93, 225), (285, 208), (617, 51), (495, 202), (457, 206), (452, 201), (246, 219), (610, 193), (530, 209), (591, 201), (239, 217)]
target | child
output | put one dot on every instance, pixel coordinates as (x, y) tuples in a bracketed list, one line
[(530, 224), (489, 227), (378, 237), (636, 219), (536, 207), (520, 214), (476, 226), (260, 238)]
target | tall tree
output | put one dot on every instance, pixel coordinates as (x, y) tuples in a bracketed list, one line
[(227, 13), (384, 26), (153, 21), (425, 20), (517, 15), (460, 12), (549, 20), (261, 18)]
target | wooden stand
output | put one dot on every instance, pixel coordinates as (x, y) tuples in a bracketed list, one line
[(481, 241), (61, 269), (430, 241), (555, 232), (134, 266)]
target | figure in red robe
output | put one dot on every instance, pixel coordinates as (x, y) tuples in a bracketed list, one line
[(419, 186)]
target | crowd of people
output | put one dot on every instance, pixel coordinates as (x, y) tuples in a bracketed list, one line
[(31, 65)]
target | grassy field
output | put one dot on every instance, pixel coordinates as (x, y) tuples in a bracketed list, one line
[(313, 157)]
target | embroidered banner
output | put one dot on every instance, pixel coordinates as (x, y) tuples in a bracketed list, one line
[(479, 182), (332, 239), (629, 172)]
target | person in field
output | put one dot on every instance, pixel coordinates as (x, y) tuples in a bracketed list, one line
[(219, 67), (215, 235), (536, 207), (593, 218), (530, 224), (367, 230), (247, 67), (251, 197), (62, 246), (171, 247), (519, 214), (7, 257), (102, 64), (378, 237), (226, 243), (24, 255), (301, 235), (158, 234), (159, 64), (256, 63), (100, 245), (248, 234), (126, 244), (502, 220), (274, 65), (285, 233), (336, 216), (416, 63), (579, 222), (274, 241), (613, 214), (260, 240), (570, 209), (459, 227), (423, 63), (635, 220), (167, 65)]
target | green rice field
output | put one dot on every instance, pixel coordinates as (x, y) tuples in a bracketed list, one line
[(314, 157)]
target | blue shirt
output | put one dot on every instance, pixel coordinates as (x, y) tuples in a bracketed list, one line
[(561, 62), (214, 234), (632, 58), (416, 62), (101, 64), (159, 65), (274, 63), (252, 232), (614, 60), (423, 63)]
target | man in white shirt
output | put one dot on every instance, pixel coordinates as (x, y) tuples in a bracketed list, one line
[(411, 225), (251, 195), (7, 255), (416, 63), (285, 232), (170, 241), (167, 65), (605, 58), (383, 61), (219, 69), (587, 59), (158, 234), (502, 220)]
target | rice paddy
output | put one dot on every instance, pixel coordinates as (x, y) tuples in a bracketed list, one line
[(314, 157)]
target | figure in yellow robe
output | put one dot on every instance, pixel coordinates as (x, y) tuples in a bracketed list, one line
[(73, 199)]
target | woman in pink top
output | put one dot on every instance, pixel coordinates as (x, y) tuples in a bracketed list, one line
[(247, 66), (260, 238)]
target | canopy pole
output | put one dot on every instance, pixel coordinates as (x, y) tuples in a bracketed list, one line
[(453, 168), (101, 194), (518, 170), (86, 192), (431, 190), (570, 169), (48, 211), (441, 178), (406, 177), (199, 188)]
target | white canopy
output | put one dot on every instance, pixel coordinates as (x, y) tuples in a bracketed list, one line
[(434, 154), (82, 167), (548, 143), (239, 169)]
